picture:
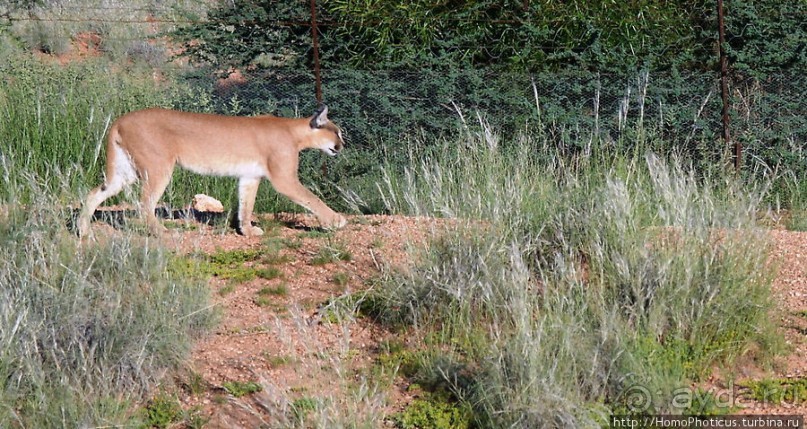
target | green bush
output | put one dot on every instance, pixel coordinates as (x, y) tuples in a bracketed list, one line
[(434, 414), (162, 411)]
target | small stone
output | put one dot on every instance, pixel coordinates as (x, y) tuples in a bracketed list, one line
[(206, 203)]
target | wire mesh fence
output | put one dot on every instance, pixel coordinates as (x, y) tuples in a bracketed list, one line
[(380, 106), (683, 110)]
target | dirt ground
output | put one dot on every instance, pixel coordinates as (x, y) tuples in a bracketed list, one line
[(287, 344), (290, 346), (790, 294)]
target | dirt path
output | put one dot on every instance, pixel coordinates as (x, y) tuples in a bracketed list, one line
[(790, 294), (282, 339)]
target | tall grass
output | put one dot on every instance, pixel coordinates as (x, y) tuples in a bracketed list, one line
[(54, 117), (571, 289), (86, 330)]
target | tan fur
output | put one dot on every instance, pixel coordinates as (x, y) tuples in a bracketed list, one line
[(147, 144)]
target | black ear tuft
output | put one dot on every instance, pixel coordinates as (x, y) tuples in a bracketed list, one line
[(320, 116)]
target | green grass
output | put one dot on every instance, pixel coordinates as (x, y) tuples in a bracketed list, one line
[(235, 266), (53, 120), (301, 408), (797, 220), (563, 286), (340, 279), (234, 257), (331, 253), (276, 258), (279, 290), (269, 273), (349, 305), (89, 328), (193, 383), (266, 295), (275, 361), (568, 280), (241, 388), (226, 289)]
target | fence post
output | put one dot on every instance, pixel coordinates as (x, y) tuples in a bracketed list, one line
[(724, 88), (315, 40)]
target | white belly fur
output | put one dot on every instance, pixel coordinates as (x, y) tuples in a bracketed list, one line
[(248, 169)]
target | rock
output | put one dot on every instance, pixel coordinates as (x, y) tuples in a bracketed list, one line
[(206, 203)]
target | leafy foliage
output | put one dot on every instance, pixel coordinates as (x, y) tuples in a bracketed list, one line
[(384, 34), (602, 35), (766, 36), (512, 34), (247, 32), (434, 413)]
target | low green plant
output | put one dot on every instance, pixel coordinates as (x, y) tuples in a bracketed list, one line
[(276, 258), (241, 388), (194, 383), (395, 357), (279, 290), (776, 391), (340, 279), (433, 412), (262, 301), (797, 221), (292, 243), (269, 273), (702, 402), (163, 410), (331, 253), (350, 305), (195, 419), (276, 361), (226, 289), (234, 257), (301, 408), (235, 265)]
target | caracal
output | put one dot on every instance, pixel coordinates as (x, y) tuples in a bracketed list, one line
[(146, 144)]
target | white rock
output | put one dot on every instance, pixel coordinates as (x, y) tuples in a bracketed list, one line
[(206, 203)]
